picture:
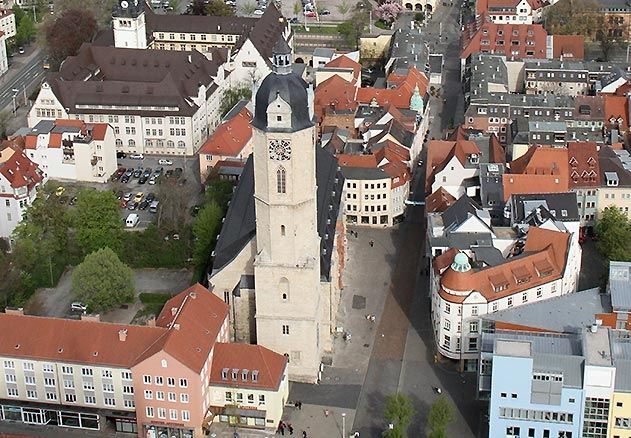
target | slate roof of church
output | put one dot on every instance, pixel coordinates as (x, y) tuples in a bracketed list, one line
[(240, 224)]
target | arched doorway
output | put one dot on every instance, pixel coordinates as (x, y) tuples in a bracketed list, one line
[(408, 6), (418, 7), (428, 8), (299, 61)]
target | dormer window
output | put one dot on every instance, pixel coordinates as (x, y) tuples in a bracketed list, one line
[(612, 179), (255, 375), (235, 374), (244, 375), (474, 158), (573, 162), (224, 374)]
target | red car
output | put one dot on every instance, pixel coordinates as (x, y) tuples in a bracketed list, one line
[(123, 203), (310, 14)]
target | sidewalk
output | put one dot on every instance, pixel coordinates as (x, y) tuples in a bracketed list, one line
[(18, 62)]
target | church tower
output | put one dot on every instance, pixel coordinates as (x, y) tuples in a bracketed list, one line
[(289, 303), (128, 21)]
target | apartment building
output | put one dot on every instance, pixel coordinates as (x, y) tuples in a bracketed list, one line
[(377, 184), (567, 78), (557, 385), (7, 30), (584, 179), (511, 11), (72, 150), (149, 380), (19, 179), (157, 102), (466, 287), (614, 180), (231, 141)]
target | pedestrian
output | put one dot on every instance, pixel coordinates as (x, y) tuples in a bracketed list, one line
[(304, 434), (371, 243), (290, 428), (299, 405)]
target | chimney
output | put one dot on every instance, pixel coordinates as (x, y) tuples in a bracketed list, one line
[(176, 326), (91, 318), (173, 311), (122, 335), (190, 59), (14, 311), (151, 322)]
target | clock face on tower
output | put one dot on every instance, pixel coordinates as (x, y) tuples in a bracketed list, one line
[(280, 150), (124, 4)]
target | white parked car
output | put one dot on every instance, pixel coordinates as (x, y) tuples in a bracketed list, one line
[(165, 162), (137, 156), (78, 306), (258, 12)]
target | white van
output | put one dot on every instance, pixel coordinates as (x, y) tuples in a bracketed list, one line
[(131, 221), (153, 208)]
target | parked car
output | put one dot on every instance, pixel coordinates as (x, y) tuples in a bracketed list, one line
[(60, 191), (293, 20), (153, 208), (325, 12), (165, 162), (168, 173), (123, 204), (143, 205), (21, 50), (177, 172), (195, 210), (147, 172), (159, 171), (139, 196), (152, 180), (258, 12), (128, 196), (73, 200), (137, 156), (137, 173), (63, 199), (125, 178), (142, 180), (78, 306), (132, 206), (119, 195), (310, 14), (121, 155), (118, 174), (150, 197)]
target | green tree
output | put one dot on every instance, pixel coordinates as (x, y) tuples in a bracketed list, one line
[(97, 221), (343, 8), (219, 192), (102, 281), (205, 229), (297, 8), (101, 9), (219, 8), (398, 413), (248, 8), (614, 235), (572, 17), (232, 96), (5, 117), (353, 29), (439, 417), (25, 30), (198, 7)]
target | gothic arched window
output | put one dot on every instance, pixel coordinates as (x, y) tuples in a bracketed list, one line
[(283, 288), (281, 180)]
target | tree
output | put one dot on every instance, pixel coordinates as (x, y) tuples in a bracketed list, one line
[(5, 117), (205, 229), (572, 17), (419, 16), (219, 192), (232, 96), (24, 30), (343, 8), (398, 412), (219, 8), (352, 29), (198, 7), (67, 32), (297, 8), (248, 8), (172, 210), (101, 9), (439, 417), (388, 11), (102, 281), (97, 221), (614, 235)]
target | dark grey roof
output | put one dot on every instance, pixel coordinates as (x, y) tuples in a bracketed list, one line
[(459, 212), (562, 206), (44, 126), (293, 90), (620, 285), (236, 109), (149, 78), (436, 63), (491, 187), (409, 49), (240, 224), (324, 52), (488, 255), (569, 313)]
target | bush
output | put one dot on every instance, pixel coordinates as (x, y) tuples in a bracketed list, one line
[(157, 298), (148, 249)]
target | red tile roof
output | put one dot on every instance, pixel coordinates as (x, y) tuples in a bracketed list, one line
[(334, 93), (186, 329), (230, 137), (20, 171), (616, 107), (543, 260), (568, 46), (484, 36), (388, 155), (31, 141), (54, 141), (461, 149), (270, 366), (584, 164), (344, 61), (99, 130), (539, 170), (400, 93), (439, 201)]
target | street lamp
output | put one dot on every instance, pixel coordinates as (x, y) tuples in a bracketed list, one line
[(343, 424), (15, 93)]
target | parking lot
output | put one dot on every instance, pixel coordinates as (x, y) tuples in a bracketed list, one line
[(144, 187)]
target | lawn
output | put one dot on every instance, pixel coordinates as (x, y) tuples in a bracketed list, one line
[(317, 29)]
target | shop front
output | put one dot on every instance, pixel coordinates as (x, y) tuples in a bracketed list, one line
[(44, 415), (242, 417), (167, 431)]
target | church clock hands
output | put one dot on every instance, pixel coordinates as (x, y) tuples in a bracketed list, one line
[(280, 150)]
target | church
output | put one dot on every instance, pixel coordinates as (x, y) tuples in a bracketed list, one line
[(279, 257)]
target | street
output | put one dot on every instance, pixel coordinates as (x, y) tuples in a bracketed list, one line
[(21, 77)]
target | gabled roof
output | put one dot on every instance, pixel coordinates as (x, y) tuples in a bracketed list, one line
[(484, 36), (539, 170), (334, 93), (459, 212), (231, 136), (399, 91), (268, 366), (345, 62), (568, 46), (461, 149), (439, 201), (617, 107), (584, 164), (20, 171), (266, 31)]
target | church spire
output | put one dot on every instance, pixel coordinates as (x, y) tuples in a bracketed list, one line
[(281, 57)]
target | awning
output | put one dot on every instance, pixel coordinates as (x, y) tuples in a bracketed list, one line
[(252, 413)]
